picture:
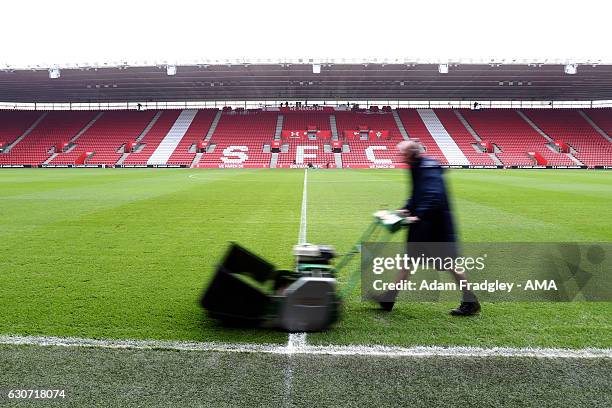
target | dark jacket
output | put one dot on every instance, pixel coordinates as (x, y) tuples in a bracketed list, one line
[(429, 201)]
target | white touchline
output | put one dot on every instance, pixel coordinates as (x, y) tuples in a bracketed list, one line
[(296, 341), (299, 339), (304, 215), (296, 347)]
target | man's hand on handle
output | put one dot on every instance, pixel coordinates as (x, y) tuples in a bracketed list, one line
[(402, 212)]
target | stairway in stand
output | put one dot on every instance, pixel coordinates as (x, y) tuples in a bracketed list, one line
[(165, 149), (449, 148)]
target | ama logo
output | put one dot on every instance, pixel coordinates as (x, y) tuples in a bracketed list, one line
[(540, 285)]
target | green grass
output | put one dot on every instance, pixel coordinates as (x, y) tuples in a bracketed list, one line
[(118, 253), (158, 378)]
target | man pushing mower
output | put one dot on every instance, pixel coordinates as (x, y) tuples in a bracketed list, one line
[(429, 215)]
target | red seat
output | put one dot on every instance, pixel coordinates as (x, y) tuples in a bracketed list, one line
[(106, 136), (514, 136), (567, 125), (55, 128), (244, 132)]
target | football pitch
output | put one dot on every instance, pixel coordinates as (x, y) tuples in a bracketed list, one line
[(125, 253)]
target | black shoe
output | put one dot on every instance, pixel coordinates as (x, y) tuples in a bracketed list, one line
[(386, 300), (466, 309), (386, 306)]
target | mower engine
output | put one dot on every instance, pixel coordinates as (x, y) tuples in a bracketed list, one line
[(310, 303)]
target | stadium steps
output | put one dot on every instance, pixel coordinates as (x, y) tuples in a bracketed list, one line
[(72, 142), (476, 136), (213, 126), (400, 125), (273, 160), (53, 155), (550, 140), (447, 145), (88, 155), (574, 159), (279, 128), (197, 159), (86, 127), (535, 127), (333, 127), (149, 126), (594, 125), (469, 128), (70, 148), (174, 136), (496, 159), (124, 156), (26, 133), (338, 160)]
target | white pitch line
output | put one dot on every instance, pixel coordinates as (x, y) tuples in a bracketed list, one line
[(296, 341), (299, 339), (298, 348), (304, 214)]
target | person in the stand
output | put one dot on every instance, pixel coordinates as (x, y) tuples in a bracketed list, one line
[(429, 213)]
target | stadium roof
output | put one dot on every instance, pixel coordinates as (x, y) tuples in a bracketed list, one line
[(282, 80)]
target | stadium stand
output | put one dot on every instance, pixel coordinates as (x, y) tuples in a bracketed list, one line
[(302, 119), (602, 118), (55, 129), (239, 139), (15, 123), (445, 142), (568, 126), (313, 150), (185, 153), (303, 151), (105, 138), (376, 151), (463, 138), (166, 147), (513, 136), (416, 129), (153, 138)]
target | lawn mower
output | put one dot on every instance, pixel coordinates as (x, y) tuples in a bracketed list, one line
[(248, 291)]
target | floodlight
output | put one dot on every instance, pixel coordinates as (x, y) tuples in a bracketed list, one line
[(316, 68), (443, 68), (571, 69), (54, 73), (171, 69)]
